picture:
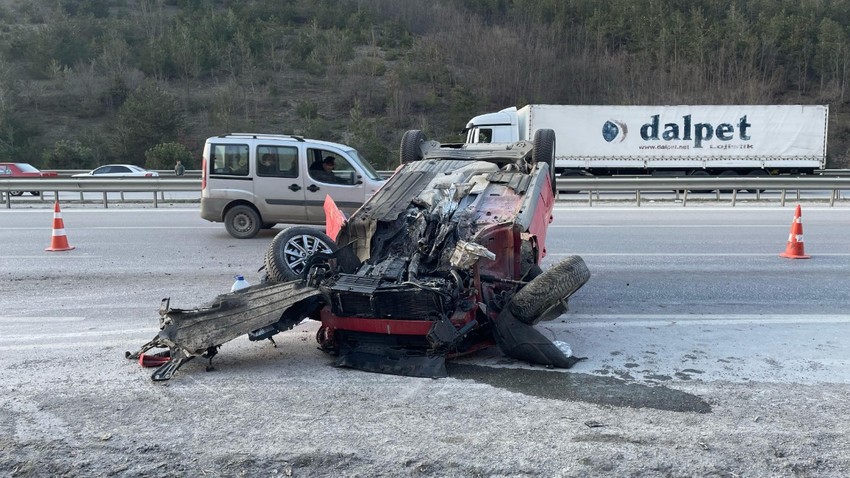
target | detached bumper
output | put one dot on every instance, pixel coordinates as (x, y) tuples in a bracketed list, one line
[(188, 333)]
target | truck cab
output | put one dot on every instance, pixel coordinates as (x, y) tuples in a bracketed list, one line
[(499, 127), (254, 181)]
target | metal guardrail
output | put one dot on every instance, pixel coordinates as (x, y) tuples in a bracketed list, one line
[(82, 185), (593, 185), (685, 186)]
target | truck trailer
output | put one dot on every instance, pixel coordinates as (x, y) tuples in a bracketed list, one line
[(708, 140)]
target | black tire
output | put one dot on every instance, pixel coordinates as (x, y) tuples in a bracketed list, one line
[(544, 152), (286, 255), (242, 222), (757, 173), (549, 289), (35, 193), (410, 146), (16, 193), (726, 174), (269, 225), (701, 174)]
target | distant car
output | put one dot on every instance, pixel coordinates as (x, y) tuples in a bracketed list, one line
[(118, 171), (23, 170)]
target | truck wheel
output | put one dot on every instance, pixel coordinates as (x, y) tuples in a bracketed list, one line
[(700, 174), (289, 250), (410, 146), (242, 222), (729, 173), (544, 152), (548, 289), (757, 173)]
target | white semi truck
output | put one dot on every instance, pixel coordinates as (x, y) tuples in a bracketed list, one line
[(717, 140)]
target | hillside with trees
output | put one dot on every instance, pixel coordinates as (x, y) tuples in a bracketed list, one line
[(87, 82)]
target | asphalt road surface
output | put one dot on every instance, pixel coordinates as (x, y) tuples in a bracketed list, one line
[(707, 355)]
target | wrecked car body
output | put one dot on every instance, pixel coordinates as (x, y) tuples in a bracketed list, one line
[(443, 260)]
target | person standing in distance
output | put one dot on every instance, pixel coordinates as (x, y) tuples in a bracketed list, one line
[(179, 170)]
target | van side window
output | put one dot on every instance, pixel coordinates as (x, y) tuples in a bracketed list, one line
[(229, 159), (329, 167), (277, 161)]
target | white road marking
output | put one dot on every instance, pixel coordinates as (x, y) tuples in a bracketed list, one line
[(684, 254), (661, 320), (5, 319)]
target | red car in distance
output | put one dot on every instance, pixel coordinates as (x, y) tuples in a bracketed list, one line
[(23, 170)]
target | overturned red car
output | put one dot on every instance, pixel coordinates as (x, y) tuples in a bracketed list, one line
[(442, 261)]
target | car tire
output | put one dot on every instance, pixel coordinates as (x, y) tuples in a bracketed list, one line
[(289, 250), (35, 193), (410, 146), (16, 193), (548, 289), (242, 222), (544, 152)]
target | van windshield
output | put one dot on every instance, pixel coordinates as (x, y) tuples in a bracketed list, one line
[(367, 167)]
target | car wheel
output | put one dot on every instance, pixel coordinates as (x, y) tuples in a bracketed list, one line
[(548, 289), (289, 250), (544, 152), (16, 193), (35, 193), (242, 222), (410, 146)]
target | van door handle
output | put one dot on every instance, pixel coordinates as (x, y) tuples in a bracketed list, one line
[(294, 187), (313, 188)]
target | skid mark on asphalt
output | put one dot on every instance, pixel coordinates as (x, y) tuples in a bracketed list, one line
[(579, 386)]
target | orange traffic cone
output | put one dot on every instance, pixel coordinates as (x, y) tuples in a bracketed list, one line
[(794, 249), (59, 242)]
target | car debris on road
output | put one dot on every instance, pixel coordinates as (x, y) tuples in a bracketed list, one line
[(444, 260)]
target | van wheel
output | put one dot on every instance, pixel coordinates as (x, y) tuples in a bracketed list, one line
[(289, 250), (544, 152), (410, 146), (242, 222), (545, 291)]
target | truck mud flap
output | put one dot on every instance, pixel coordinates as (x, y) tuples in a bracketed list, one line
[(188, 333), (523, 342)]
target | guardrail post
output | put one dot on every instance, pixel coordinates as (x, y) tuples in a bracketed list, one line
[(832, 197), (82, 198), (590, 197), (122, 196), (637, 196), (782, 198), (105, 203), (734, 197), (8, 200), (155, 201), (684, 197)]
